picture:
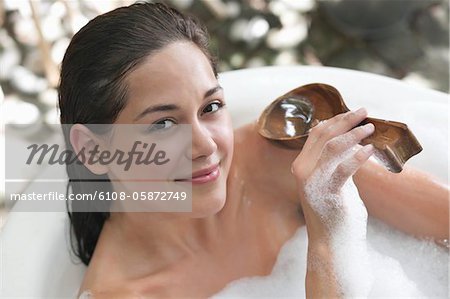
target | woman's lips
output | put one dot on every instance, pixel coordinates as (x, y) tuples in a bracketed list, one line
[(211, 174)]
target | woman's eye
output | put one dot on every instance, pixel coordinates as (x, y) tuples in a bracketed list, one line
[(213, 107), (162, 125)]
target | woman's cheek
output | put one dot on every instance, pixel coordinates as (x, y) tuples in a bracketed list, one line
[(224, 135)]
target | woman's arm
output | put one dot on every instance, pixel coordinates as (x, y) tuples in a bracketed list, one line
[(321, 280), (335, 221), (412, 201)]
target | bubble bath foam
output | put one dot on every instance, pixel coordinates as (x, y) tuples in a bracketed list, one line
[(399, 266)]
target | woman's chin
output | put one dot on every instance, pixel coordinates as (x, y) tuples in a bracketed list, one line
[(204, 206), (209, 199)]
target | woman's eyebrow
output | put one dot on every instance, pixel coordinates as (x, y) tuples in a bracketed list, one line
[(213, 91), (156, 109), (170, 107)]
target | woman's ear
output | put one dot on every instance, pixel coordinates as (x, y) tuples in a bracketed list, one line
[(87, 144)]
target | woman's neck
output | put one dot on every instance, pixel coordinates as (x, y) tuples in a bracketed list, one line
[(141, 244)]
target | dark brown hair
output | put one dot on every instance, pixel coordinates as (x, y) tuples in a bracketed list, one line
[(92, 88)]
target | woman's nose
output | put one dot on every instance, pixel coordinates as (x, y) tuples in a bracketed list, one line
[(203, 145)]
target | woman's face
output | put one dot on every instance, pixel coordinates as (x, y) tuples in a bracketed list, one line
[(176, 85)]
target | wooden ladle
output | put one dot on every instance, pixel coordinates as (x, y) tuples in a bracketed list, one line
[(289, 118)]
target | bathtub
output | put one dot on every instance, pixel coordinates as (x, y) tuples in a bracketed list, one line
[(35, 260)]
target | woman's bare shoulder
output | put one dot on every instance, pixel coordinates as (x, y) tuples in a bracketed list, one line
[(271, 162), (116, 294), (112, 294), (92, 290), (247, 139), (147, 288)]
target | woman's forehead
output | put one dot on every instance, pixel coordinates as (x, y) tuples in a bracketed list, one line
[(178, 66), (179, 74)]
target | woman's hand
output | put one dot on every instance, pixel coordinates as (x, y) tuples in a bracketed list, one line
[(335, 217), (331, 155)]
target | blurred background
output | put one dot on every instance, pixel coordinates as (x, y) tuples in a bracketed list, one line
[(403, 39)]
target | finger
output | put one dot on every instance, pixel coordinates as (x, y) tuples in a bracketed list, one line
[(349, 166), (333, 127), (347, 115), (338, 146)]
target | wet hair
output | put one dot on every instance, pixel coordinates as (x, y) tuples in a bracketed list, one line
[(92, 89)]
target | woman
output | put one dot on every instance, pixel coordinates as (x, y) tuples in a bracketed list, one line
[(149, 64)]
